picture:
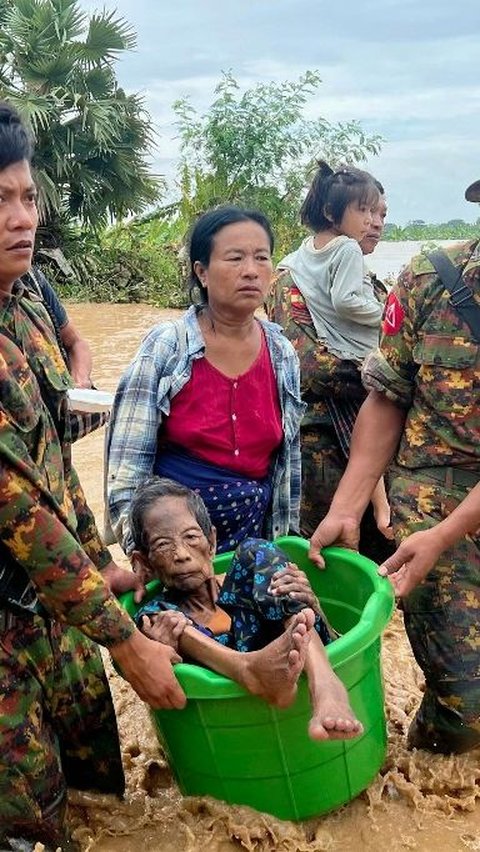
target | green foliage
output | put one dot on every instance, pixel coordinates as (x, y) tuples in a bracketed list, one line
[(256, 148), (135, 262), (92, 140), (456, 229)]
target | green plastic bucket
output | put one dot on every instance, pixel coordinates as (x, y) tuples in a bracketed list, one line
[(235, 747)]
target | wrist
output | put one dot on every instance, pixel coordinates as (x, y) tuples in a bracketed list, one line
[(132, 645), (352, 498), (346, 510), (446, 534), (82, 380)]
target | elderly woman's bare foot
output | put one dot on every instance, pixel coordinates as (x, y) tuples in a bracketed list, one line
[(333, 718), (272, 672)]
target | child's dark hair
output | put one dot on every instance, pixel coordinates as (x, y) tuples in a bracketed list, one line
[(16, 143), (203, 234), (331, 193), (154, 489)]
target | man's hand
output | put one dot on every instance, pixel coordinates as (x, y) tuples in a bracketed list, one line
[(121, 580), (147, 666), (81, 379), (382, 520), (412, 561), (292, 581), (336, 528)]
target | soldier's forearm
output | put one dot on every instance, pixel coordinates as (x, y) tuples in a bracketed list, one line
[(66, 581)]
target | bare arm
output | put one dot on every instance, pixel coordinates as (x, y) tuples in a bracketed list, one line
[(375, 438), (79, 354), (381, 509), (418, 553)]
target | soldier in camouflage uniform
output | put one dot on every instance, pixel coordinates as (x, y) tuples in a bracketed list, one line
[(424, 386), (57, 725), (325, 377)]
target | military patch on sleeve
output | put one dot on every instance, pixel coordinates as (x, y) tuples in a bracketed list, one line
[(393, 315)]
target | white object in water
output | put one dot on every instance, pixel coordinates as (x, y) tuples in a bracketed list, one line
[(90, 400)]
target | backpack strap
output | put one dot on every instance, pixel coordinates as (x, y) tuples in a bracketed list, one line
[(461, 295), (34, 284)]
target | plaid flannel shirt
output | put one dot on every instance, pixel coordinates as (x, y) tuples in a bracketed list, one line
[(158, 372)]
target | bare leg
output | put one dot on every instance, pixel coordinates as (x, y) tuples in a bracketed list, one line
[(272, 672), (332, 718)]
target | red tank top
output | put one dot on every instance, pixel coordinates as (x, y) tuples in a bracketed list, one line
[(235, 423)]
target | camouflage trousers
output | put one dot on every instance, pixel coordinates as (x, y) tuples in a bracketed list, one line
[(57, 725), (442, 618), (323, 465)]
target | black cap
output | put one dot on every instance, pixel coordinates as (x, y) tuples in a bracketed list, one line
[(472, 192)]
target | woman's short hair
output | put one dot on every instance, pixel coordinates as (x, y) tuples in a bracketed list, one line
[(16, 143), (332, 191), (155, 488), (203, 234)]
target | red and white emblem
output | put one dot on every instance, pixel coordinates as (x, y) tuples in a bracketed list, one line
[(393, 315)]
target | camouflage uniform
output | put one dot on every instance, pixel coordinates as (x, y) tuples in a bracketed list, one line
[(57, 724), (429, 364), (323, 375)]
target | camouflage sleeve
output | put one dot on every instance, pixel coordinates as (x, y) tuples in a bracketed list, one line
[(35, 531), (87, 530), (322, 374), (391, 368)]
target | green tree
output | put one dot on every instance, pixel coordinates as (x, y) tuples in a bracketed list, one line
[(92, 139), (257, 148)]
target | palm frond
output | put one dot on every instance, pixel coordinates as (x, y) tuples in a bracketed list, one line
[(98, 83), (92, 140), (70, 20), (36, 110), (49, 195), (48, 71), (106, 37)]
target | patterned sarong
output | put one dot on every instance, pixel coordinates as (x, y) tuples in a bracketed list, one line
[(236, 505)]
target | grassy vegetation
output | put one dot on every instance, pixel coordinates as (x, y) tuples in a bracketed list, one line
[(136, 262)]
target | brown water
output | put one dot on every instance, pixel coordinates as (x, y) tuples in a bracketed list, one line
[(418, 802)]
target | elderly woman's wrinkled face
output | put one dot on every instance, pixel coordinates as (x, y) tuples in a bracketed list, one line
[(240, 269), (18, 222), (177, 551)]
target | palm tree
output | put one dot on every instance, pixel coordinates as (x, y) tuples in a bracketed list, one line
[(92, 139)]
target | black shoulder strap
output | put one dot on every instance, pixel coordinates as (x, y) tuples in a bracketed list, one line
[(461, 295), (33, 283)]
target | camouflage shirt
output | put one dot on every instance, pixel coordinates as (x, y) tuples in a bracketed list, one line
[(46, 525), (429, 364)]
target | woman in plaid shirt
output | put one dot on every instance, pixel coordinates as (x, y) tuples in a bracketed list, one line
[(213, 400)]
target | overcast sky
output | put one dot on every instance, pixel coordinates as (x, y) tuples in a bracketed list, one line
[(406, 69)]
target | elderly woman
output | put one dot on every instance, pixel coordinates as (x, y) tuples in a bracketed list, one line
[(260, 623), (213, 400)]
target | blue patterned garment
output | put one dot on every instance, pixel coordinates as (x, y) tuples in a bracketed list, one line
[(257, 616), (236, 505)]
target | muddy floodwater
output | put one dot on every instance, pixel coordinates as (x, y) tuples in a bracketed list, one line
[(418, 801)]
